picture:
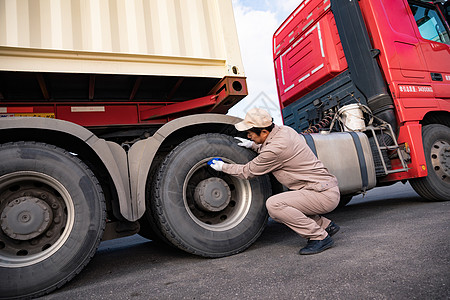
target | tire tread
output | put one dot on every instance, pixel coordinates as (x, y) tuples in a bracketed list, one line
[(424, 185), (102, 204), (157, 210)]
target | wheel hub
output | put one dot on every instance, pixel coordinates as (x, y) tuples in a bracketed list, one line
[(212, 194), (25, 218), (440, 158)]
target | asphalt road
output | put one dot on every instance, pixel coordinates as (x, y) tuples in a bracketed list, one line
[(392, 245)]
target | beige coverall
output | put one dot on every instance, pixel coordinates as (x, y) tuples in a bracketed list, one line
[(313, 191)]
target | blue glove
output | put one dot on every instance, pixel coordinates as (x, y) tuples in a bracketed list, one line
[(210, 162), (216, 163)]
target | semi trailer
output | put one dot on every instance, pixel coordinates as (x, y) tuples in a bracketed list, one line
[(109, 111)]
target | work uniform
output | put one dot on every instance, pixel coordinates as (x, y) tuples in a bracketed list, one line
[(313, 190)]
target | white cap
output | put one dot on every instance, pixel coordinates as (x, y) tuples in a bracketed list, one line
[(255, 117)]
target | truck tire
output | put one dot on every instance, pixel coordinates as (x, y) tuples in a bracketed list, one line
[(145, 229), (52, 216), (436, 145), (344, 200), (149, 228), (205, 212)]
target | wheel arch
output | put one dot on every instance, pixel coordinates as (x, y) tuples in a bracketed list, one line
[(436, 117), (142, 154), (106, 159)]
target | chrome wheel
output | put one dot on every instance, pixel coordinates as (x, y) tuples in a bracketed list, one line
[(36, 218), (215, 201), (440, 159)]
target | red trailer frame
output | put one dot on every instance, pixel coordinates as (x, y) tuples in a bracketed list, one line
[(226, 93)]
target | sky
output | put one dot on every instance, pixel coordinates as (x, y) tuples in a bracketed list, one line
[(256, 22)]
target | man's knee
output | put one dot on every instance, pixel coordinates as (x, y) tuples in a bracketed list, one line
[(274, 204)]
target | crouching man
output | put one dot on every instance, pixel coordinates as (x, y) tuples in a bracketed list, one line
[(312, 189)]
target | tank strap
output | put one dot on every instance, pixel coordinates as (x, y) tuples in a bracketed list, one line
[(362, 161), (310, 142)]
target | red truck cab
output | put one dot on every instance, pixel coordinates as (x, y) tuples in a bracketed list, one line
[(414, 44), (392, 56)]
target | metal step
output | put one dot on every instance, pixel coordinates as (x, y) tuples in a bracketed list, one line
[(386, 128)]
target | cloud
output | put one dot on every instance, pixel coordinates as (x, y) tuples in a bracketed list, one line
[(256, 22), (255, 30), (281, 8), (286, 7)]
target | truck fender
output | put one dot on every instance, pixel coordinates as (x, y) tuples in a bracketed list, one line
[(142, 153), (111, 154)]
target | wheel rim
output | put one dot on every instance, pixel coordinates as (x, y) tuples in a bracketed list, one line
[(440, 159), (36, 218), (224, 202)]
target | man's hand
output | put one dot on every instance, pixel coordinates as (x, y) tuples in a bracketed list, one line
[(216, 164), (244, 143)]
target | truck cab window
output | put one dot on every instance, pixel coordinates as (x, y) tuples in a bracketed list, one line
[(446, 11), (431, 27)]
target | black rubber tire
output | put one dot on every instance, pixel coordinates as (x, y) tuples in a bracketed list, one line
[(150, 228), (145, 229), (344, 200), (435, 186), (38, 168), (175, 218)]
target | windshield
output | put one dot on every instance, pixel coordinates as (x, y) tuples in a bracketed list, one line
[(431, 27)]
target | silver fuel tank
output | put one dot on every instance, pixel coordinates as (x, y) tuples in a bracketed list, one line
[(346, 155)]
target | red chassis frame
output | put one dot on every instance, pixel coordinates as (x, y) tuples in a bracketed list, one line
[(220, 99)]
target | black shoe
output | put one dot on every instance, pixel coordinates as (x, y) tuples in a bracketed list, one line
[(332, 229), (313, 247)]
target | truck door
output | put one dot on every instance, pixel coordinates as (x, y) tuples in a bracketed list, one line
[(434, 38), (446, 11)]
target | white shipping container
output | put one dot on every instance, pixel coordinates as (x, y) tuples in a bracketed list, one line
[(135, 37)]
